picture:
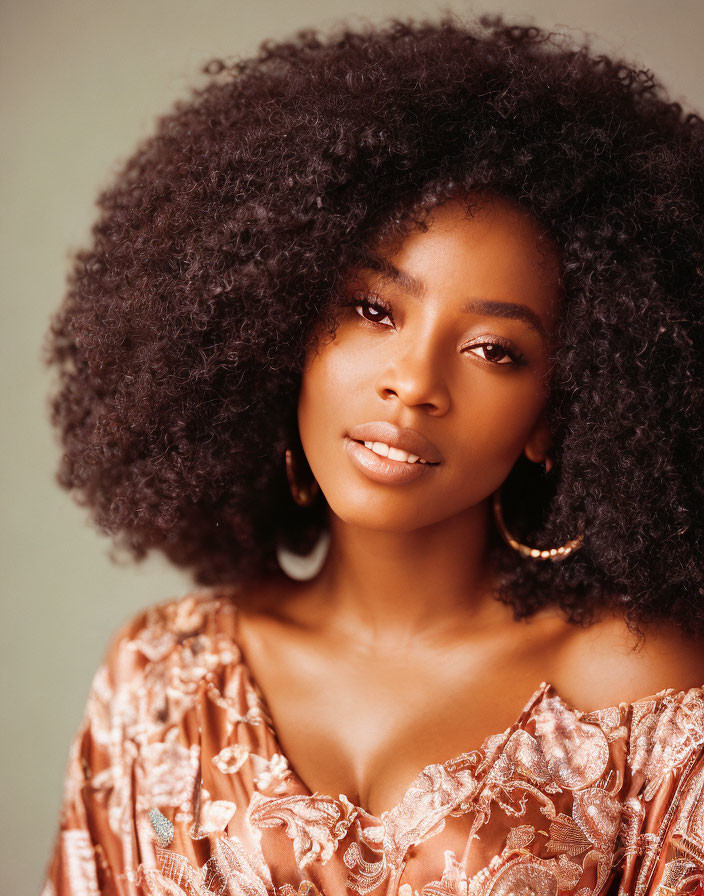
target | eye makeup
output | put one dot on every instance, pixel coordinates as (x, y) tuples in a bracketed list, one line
[(505, 347)]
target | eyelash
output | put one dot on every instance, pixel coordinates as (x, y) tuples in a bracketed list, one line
[(517, 359)]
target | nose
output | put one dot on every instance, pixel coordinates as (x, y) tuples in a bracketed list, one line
[(415, 377)]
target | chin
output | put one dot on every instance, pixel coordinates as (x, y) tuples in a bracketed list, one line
[(380, 514)]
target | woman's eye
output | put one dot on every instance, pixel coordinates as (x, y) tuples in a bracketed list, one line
[(497, 353), (375, 311), (372, 311)]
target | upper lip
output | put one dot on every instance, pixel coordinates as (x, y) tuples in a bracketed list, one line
[(397, 437)]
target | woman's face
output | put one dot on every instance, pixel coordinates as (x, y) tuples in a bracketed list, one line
[(451, 340)]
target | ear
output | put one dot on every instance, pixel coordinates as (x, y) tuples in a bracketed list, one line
[(539, 442)]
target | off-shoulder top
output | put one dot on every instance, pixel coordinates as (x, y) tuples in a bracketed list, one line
[(177, 784)]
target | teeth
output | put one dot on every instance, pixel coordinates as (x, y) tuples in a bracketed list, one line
[(385, 450)]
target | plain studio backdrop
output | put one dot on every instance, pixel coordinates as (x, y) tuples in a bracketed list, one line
[(82, 82)]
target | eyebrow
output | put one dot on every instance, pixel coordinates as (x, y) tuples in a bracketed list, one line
[(471, 305)]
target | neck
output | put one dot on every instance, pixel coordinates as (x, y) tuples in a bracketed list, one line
[(388, 586)]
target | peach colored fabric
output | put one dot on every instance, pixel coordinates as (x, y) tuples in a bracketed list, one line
[(176, 784)]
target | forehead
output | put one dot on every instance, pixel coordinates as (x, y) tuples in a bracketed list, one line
[(489, 249), (485, 224)]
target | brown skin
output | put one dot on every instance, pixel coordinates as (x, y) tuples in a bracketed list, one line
[(397, 655), (426, 540)]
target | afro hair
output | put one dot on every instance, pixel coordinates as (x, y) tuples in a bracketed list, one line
[(226, 239)]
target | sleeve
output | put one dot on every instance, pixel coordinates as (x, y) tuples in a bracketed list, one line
[(677, 865), (94, 849), (666, 857)]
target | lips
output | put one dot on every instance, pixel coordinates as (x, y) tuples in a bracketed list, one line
[(383, 469), (409, 440)]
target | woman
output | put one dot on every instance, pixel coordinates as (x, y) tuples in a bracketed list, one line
[(420, 303)]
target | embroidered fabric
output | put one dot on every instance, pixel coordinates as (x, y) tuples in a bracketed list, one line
[(176, 784)]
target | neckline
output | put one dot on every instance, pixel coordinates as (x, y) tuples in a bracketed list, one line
[(542, 692)]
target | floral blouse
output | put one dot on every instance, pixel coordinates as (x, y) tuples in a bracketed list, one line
[(177, 784)]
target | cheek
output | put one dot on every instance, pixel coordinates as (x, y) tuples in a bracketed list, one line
[(328, 380), (511, 406), (334, 374), (497, 420)]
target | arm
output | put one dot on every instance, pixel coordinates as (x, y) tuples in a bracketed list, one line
[(95, 849)]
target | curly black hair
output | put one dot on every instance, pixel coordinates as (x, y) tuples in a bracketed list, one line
[(226, 239)]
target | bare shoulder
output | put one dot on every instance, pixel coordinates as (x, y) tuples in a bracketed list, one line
[(273, 616), (606, 664), (273, 598)]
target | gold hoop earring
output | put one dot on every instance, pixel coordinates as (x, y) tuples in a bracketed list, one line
[(523, 549), (302, 495)]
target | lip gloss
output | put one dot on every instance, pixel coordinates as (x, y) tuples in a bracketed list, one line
[(383, 469)]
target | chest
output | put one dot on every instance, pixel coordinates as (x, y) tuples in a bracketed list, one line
[(370, 743), (365, 726)]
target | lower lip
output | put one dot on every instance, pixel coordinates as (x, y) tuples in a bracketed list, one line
[(383, 469)]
